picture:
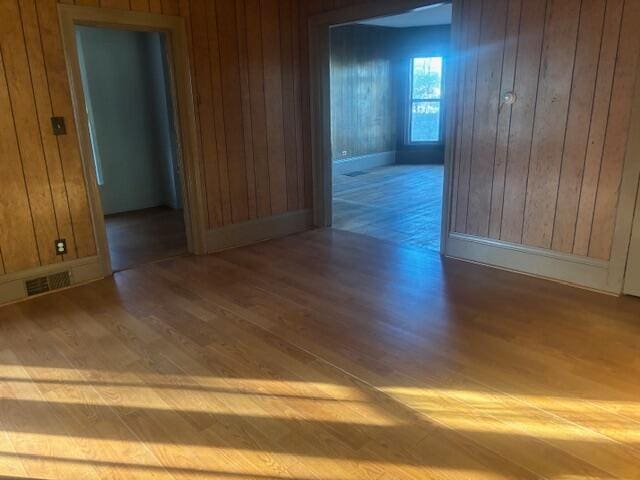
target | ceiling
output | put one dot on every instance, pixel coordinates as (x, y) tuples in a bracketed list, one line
[(438, 14)]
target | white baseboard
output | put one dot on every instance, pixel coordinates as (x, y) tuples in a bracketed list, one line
[(563, 267), (363, 162), (258, 230), (12, 285)]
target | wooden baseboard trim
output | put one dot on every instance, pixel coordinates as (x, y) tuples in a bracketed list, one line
[(363, 162), (12, 285), (255, 231), (566, 268)]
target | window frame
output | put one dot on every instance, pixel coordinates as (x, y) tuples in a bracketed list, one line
[(411, 101)]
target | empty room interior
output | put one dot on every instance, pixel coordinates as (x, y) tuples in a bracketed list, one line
[(320, 239), (387, 125)]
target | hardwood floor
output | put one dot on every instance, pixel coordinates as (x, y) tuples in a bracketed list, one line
[(398, 203), (144, 236), (327, 355)]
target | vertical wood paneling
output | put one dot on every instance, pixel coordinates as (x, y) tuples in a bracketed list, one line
[(617, 129), (67, 144), (155, 6), (205, 110), (241, 25), (504, 117), (472, 18), (17, 237), (139, 5), (232, 110), (556, 72), (560, 149), (305, 11), (580, 107), (251, 78), (483, 148), (170, 7), (297, 100), (43, 107), (520, 135), (258, 107), (274, 104), (218, 112), (25, 116), (121, 4), (288, 107), (598, 126)]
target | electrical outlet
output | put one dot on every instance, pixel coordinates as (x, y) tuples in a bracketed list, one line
[(345, 153), (61, 246), (58, 126)]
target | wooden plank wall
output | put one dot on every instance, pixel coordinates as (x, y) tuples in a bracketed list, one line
[(364, 93), (546, 171)]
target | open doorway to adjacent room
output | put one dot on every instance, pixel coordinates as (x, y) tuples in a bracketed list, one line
[(134, 111), (387, 77), (126, 86)]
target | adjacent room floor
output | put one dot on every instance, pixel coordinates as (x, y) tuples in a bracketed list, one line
[(399, 203), (144, 236), (328, 355)]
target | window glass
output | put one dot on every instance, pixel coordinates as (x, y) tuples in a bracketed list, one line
[(425, 102), (425, 121)]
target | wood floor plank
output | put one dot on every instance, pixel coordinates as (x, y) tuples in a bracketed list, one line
[(327, 355)]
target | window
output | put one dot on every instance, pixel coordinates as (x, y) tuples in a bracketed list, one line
[(425, 108)]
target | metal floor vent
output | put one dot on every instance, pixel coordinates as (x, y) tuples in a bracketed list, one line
[(357, 173), (55, 281)]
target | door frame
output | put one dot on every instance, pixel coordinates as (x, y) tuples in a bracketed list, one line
[(181, 89), (319, 59)]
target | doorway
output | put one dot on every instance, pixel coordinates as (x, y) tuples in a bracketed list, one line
[(124, 79), (383, 121), (131, 88)]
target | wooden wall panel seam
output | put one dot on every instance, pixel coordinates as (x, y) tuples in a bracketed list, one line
[(498, 203), (498, 111), (566, 123), (473, 122), (258, 107), (155, 6), (481, 172), (608, 194), (587, 201), (15, 209), (241, 26), (295, 38), (41, 133), (223, 161), (59, 90), (19, 156), (552, 106), (517, 204), (22, 98), (272, 77), (204, 103), (535, 111), (465, 145), (567, 208), (216, 87), (35, 106), (231, 91), (74, 244), (286, 79), (606, 128)]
